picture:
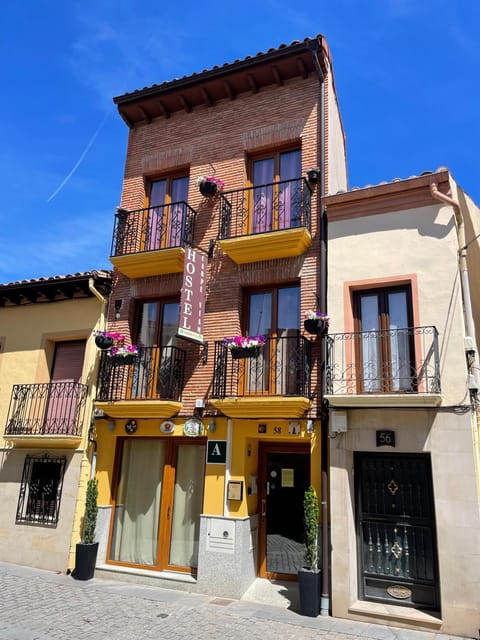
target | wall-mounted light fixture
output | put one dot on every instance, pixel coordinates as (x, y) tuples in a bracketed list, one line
[(118, 305), (111, 425), (212, 426), (310, 426)]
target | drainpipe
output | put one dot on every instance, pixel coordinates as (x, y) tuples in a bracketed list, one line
[(473, 365), (324, 507), (228, 465), (96, 292), (462, 259)]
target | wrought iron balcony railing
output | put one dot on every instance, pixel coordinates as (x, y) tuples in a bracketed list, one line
[(391, 361), (281, 368), (49, 408), (268, 207), (163, 227), (157, 373)]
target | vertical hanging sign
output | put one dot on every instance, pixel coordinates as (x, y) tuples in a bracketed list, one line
[(192, 300)]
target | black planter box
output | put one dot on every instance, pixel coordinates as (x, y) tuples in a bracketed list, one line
[(123, 360), (208, 188), (310, 591), (85, 560), (245, 352), (315, 326), (103, 342)]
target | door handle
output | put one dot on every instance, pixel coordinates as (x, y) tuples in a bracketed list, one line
[(264, 504)]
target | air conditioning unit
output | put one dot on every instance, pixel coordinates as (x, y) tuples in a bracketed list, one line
[(338, 421)]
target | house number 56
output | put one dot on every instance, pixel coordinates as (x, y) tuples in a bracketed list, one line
[(385, 438)]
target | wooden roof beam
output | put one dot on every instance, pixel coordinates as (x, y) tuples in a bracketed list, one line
[(277, 76), (228, 90), (145, 113), (206, 98), (302, 68), (252, 83), (165, 111), (184, 103)]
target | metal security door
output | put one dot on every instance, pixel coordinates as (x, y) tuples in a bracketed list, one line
[(396, 529)]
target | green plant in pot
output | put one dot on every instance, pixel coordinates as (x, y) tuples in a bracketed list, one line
[(309, 577), (86, 550)]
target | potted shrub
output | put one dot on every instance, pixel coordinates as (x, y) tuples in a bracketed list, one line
[(86, 550), (209, 185), (244, 347), (316, 322), (310, 576)]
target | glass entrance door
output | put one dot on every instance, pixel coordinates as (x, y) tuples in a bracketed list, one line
[(158, 502), (284, 478)]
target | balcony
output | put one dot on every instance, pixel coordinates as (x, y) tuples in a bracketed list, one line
[(151, 241), (151, 387), (266, 222), (396, 368), (274, 384), (46, 414)]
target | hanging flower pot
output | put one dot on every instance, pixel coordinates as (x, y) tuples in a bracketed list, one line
[(315, 322), (209, 185), (313, 175), (124, 360), (123, 355), (103, 342)]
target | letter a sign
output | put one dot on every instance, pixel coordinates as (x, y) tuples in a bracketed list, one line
[(216, 452)]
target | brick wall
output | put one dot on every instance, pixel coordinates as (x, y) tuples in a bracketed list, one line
[(223, 136)]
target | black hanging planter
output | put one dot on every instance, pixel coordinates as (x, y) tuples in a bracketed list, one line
[(313, 176), (245, 352), (316, 326), (85, 560), (208, 188), (103, 342), (310, 591)]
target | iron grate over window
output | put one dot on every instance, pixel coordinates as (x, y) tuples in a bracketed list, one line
[(41, 490)]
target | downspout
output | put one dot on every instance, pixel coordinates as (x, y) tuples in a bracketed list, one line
[(462, 259), (324, 507), (473, 365)]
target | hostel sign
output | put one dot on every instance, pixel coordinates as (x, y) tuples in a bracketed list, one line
[(192, 300)]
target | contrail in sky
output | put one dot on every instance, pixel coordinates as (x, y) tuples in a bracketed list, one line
[(79, 161)]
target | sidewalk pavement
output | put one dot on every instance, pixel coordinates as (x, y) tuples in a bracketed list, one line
[(41, 605)]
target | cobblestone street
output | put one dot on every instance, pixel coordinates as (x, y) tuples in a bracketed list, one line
[(39, 605)]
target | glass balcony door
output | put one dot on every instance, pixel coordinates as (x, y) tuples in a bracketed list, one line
[(158, 502), (384, 343), (275, 204), (166, 213)]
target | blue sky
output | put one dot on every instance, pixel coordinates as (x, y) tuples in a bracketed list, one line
[(407, 75)]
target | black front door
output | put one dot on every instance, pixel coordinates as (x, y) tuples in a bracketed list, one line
[(396, 529), (284, 478)]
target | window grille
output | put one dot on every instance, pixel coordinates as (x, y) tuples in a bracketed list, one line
[(41, 490)]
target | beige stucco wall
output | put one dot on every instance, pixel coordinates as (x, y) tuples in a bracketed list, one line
[(28, 334), (337, 162), (418, 241), (447, 437), (421, 243)]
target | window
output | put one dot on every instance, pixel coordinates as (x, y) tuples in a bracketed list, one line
[(158, 370), (384, 340), (274, 313), (276, 200), (41, 490), (166, 214)]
